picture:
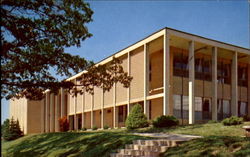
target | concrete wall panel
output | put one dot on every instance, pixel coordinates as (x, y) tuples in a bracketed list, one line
[(121, 92), (137, 72)]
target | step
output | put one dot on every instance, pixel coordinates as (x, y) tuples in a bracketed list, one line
[(137, 152), (123, 155), (146, 147), (162, 142), (119, 155)]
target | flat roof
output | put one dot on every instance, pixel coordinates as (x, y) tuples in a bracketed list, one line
[(165, 28)]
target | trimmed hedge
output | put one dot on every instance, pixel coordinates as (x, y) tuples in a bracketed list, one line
[(232, 121), (165, 121)]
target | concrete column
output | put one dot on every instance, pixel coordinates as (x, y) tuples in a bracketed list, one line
[(92, 112), (42, 114), (47, 111), (63, 111), (75, 104), (214, 84), (248, 91), (83, 108), (234, 85), (166, 74), (191, 98), (115, 117), (57, 112), (146, 79), (128, 90), (52, 112), (102, 114)]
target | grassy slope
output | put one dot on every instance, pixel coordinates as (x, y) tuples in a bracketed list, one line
[(218, 140), (67, 144), (213, 129)]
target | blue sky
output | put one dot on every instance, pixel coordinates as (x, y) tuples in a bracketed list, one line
[(118, 24)]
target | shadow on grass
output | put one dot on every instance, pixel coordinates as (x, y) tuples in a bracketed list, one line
[(70, 144), (212, 146)]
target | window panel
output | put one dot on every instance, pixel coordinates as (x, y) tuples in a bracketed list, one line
[(177, 106)]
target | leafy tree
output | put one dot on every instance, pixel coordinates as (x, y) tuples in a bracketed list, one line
[(136, 118), (12, 130), (34, 35)]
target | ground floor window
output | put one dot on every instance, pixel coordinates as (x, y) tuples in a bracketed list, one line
[(181, 106), (223, 109), (122, 113), (71, 122), (79, 121), (207, 109), (242, 108), (202, 107)]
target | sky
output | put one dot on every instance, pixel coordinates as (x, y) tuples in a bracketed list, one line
[(118, 24)]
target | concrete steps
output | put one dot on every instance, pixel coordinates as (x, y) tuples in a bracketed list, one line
[(146, 148)]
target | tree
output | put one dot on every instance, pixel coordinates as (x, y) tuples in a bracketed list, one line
[(5, 127), (136, 118), (12, 130), (34, 35)]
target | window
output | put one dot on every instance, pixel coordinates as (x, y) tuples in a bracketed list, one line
[(185, 107), (207, 69), (224, 72), (227, 73), (120, 114), (219, 109), (226, 108), (242, 75), (198, 68), (198, 108), (177, 106), (180, 64), (206, 109), (177, 64), (242, 108)]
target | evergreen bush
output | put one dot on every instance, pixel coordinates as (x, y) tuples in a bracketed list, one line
[(165, 121), (233, 120), (136, 118), (11, 130), (64, 124)]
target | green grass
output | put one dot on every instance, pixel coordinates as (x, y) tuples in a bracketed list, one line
[(68, 144), (211, 146), (218, 140), (208, 129)]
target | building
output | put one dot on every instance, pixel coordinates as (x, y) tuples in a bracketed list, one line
[(174, 73)]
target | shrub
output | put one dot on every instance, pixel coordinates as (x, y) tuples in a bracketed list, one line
[(64, 124), (84, 129), (94, 127), (136, 118), (11, 130), (246, 117), (212, 121), (165, 121), (105, 127), (232, 121)]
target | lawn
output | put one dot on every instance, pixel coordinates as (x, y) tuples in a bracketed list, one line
[(208, 129), (218, 140), (70, 144)]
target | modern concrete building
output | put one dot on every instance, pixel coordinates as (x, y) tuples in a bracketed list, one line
[(174, 73)]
